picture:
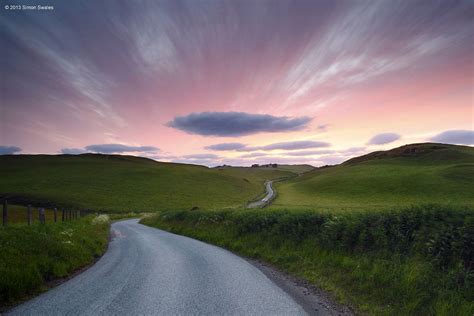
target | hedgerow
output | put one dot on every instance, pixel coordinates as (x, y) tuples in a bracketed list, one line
[(424, 251)]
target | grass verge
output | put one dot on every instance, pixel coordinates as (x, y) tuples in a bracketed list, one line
[(415, 261), (32, 256)]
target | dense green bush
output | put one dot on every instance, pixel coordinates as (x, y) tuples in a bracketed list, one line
[(417, 260), (444, 236)]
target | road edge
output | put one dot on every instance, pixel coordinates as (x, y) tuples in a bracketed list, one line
[(312, 299)]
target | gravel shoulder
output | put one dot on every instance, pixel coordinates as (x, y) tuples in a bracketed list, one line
[(313, 300)]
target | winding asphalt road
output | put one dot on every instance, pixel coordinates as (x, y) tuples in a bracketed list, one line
[(262, 202), (147, 271)]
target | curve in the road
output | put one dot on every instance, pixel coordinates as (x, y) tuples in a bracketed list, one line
[(263, 202), (147, 271)]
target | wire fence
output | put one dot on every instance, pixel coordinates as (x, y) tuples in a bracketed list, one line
[(14, 214)]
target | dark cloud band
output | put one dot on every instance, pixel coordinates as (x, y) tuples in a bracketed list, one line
[(119, 148), (226, 124), (462, 137), (110, 149), (384, 138), (9, 150)]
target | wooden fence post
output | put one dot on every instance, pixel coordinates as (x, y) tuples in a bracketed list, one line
[(55, 215), (29, 214), (5, 213), (62, 215), (41, 215)]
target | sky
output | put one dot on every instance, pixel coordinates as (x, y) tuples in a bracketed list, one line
[(236, 82)]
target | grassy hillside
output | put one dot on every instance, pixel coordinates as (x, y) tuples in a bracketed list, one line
[(408, 175), (125, 183)]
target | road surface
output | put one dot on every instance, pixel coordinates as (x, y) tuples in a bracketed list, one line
[(148, 271), (264, 201)]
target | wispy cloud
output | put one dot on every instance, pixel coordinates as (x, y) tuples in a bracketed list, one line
[(354, 150), (289, 59), (236, 124), (253, 155), (293, 145), (370, 45), (323, 127), (383, 138), (226, 146), (461, 137), (309, 153), (201, 156)]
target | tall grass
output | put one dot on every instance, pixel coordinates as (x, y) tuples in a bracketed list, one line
[(415, 261), (31, 256)]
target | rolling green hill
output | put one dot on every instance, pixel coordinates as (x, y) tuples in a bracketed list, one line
[(126, 183), (408, 175)]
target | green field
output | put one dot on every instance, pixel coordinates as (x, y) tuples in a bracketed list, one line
[(409, 175), (124, 183)]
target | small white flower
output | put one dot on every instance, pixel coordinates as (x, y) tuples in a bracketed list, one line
[(101, 219)]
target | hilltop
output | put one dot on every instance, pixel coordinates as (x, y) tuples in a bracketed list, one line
[(427, 152), (407, 175)]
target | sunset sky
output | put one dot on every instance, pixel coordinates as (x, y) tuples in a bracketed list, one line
[(236, 82)]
